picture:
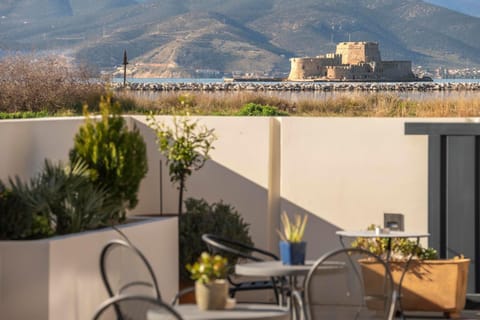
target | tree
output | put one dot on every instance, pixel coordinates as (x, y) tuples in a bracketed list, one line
[(186, 146), (115, 155)]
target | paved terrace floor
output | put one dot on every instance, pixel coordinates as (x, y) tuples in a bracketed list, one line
[(466, 315)]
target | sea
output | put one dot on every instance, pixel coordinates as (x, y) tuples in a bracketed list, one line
[(306, 95)]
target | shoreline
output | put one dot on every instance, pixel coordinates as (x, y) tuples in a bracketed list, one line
[(300, 86)]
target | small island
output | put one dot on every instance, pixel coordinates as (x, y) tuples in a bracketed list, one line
[(352, 61)]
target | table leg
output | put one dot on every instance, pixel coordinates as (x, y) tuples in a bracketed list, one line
[(407, 264)]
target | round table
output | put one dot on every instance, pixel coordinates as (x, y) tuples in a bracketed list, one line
[(388, 235), (240, 311), (272, 269)]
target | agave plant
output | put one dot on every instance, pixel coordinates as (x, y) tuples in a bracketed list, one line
[(293, 231), (63, 200)]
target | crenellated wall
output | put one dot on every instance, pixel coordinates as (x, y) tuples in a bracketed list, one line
[(358, 52)]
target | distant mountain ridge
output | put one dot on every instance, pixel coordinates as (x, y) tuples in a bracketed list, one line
[(470, 7), (185, 37)]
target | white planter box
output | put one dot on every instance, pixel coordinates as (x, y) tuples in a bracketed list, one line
[(59, 278)]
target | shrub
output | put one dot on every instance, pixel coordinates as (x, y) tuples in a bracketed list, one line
[(45, 83), (253, 109), (116, 157), (59, 200), (15, 220), (400, 249), (200, 218)]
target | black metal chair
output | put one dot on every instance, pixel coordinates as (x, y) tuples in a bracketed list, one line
[(136, 275), (124, 269), (135, 307), (338, 287), (220, 245)]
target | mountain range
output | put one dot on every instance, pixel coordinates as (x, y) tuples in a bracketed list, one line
[(182, 38), (469, 7)]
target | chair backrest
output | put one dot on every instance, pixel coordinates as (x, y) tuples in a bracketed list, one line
[(124, 269), (349, 283), (218, 244), (135, 307)]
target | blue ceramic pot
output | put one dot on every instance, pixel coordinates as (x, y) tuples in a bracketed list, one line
[(293, 252)]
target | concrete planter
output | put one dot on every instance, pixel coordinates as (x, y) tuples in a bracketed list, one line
[(59, 278), (429, 285), (212, 295)]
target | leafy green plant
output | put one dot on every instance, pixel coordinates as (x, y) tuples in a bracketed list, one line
[(208, 268), (15, 220), (186, 146), (62, 200), (116, 156), (401, 248), (293, 231), (253, 109), (216, 218)]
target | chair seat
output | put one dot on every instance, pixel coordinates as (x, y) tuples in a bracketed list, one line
[(252, 285)]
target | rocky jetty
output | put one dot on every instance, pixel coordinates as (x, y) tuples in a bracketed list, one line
[(301, 86)]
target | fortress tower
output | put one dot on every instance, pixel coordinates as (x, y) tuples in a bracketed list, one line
[(352, 61), (358, 52)]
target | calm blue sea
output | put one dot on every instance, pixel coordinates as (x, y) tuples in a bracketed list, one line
[(216, 80), (296, 96)]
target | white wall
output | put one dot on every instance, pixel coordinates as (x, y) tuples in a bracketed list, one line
[(238, 172), (345, 172), (348, 172), (59, 278), (26, 143)]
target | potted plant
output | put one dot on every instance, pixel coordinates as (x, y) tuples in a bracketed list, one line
[(429, 283), (211, 286), (292, 248)]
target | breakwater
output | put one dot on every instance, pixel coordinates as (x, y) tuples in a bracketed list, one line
[(303, 86)]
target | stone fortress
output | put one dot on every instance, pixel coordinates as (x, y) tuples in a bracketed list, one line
[(352, 61)]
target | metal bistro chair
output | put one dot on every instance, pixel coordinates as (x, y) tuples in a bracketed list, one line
[(217, 244), (135, 307), (125, 269), (335, 287)]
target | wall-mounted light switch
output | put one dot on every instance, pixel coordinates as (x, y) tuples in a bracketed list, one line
[(393, 221)]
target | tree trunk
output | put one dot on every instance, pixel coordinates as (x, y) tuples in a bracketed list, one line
[(180, 196)]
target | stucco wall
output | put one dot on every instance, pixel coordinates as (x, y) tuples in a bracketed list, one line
[(26, 143), (347, 172), (238, 172)]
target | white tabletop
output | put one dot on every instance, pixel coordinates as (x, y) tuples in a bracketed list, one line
[(390, 234), (277, 268), (240, 311)]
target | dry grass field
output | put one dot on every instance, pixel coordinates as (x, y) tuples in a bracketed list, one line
[(344, 105)]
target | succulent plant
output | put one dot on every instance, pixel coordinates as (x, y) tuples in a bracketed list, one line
[(208, 268), (293, 231)]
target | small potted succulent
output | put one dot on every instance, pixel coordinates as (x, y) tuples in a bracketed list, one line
[(211, 287), (292, 248)]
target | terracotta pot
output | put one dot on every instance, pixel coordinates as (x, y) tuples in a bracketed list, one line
[(189, 297), (428, 285), (212, 295)]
